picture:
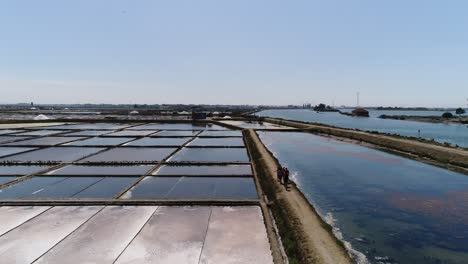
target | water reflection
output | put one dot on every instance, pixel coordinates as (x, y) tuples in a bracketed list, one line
[(452, 133), (393, 209)]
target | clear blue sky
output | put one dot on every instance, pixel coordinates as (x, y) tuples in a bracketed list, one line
[(395, 52)]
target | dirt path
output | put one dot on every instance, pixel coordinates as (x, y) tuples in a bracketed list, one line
[(319, 243)]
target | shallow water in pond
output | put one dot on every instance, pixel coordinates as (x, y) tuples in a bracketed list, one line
[(132, 133), (54, 154), (100, 141), (9, 131), (28, 187), (79, 170), (159, 142), (211, 155), (231, 142), (4, 139), (108, 188), (392, 209), (131, 154), (452, 133), (20, 170), (63, 189), (45, 187), (233, 133), (90, 133), (193, 188), (204, 170), (45, 141), (5, 179), (41, 132), (180, 126), (97, 126), (181, 133), (12, 150)]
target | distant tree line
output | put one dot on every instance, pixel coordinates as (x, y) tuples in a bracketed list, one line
[(324, 108)]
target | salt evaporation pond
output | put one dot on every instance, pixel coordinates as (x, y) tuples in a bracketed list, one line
[(452, 133), (393, 209)]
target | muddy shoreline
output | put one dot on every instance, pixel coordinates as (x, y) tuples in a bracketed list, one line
[(429, 119)]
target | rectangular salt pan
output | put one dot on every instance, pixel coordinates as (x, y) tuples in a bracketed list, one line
[(97, 126), (228, 142), (20, 169), (193, 188), (4, 151), (216, 188), (180, 126), (131, 133), (172, 235), (100, 141), (9, 131), (151, 188), (54, 154), (45, 141), (136, 170), (129, 154), (97, 240), (5, 179), (234, 133), (211, 155), (176, 133), (14, 216), (34, 238), (108, 188), (28, 187), (4, 139), (133, 234), (63, 189), (40, 132), (236, 235), (90, 133), (204, 170), (159, 142)]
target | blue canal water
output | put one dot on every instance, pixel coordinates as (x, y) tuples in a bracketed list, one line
[(440, 132), (390, 209)]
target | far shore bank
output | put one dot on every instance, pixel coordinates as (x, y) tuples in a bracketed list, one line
[(430, 119)]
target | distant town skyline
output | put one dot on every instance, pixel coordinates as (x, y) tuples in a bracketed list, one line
[(394, 53)]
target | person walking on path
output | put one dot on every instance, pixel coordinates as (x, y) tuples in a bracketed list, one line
[(286, 177), (280, 173)]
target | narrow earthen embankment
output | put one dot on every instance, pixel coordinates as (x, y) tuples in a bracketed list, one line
[(305, 236), (444, 155)]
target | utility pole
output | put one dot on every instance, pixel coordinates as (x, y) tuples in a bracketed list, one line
[(357, 95)]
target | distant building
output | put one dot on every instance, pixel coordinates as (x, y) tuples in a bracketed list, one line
[(360, 112)]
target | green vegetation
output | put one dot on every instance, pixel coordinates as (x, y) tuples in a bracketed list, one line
[(447, 115), (324, 108), (460, 111)]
